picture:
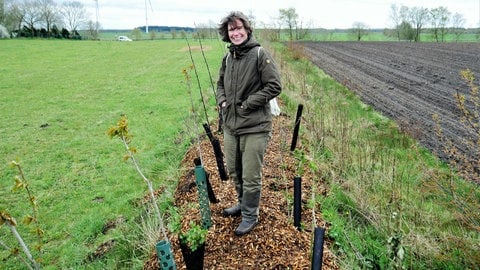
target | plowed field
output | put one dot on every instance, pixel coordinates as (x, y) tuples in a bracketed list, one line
[(407, 82)]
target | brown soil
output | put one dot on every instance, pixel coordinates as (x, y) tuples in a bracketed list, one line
[(407, 82), (275, 243)]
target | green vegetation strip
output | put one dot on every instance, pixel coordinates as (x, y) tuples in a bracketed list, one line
[(389, 204)]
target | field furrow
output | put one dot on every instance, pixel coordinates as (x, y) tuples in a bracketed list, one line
[(407, 82)]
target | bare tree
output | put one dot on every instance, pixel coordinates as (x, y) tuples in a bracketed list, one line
[(303, 31), (92, 29), (13, 15), (74, 15), (49, 13), (212, 28), (404, 13), (252, 19), (439, 18), (458, 22), (271, 32), (31, 14), (3, 13), (396, 19), (418, 16), (289, 17), (359, 30), (203, 31)]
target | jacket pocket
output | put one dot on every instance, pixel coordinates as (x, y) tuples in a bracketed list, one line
[(247, 117)]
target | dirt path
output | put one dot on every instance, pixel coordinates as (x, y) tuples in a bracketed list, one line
[(407, 82), (274, 243)]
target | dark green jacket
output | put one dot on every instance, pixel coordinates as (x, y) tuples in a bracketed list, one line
[(248, 80)]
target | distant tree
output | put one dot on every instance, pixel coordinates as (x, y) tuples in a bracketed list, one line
[(251, 18), (289, 18), (203, 31), (48, 13), (152, 34), (31, 15), (404, 13), (359, 30), (439, 18), (272, 32), (74, 15), (304, 31), (3, 19), (458, 22), (406, 31), (419, 16), (65, 33), (55, 32), (92, 30), (14, 15), (4, 32), (3, 13), (212, 27), (137, 33), (396, 19), (183, 34)]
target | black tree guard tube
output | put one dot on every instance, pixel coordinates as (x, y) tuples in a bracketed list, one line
[(297, 201), (317, 256), (218, 152), (297, 127), (211, 194)]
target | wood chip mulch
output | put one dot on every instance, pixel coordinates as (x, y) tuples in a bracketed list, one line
[(275, 243)]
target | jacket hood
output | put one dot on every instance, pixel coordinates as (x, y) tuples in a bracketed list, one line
[(238, 51)]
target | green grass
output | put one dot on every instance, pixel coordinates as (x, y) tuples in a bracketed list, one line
[(58, 98), (472, 35)]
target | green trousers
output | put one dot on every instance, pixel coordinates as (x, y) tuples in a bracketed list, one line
[(244, 157)]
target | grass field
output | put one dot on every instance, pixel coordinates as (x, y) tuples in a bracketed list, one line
[(58, 98), (471, 35)]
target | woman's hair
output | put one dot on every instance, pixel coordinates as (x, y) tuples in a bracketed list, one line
[(232, 18)]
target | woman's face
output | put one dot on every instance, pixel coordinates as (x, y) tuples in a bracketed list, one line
[(237, 32)]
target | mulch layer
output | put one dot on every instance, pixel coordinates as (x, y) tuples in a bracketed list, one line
[(275, 243)]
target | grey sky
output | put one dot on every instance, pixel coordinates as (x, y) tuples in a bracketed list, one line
[(127, 14)]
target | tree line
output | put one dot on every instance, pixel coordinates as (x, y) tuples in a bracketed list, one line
[(408, 24), (45, 18)]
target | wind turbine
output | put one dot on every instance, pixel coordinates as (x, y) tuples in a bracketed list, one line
[(96, 15), (146, 14), (146, 17)]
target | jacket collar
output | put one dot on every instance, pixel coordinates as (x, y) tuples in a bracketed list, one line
[(238, 51)]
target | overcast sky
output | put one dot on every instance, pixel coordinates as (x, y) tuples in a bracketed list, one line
[(128, 14)]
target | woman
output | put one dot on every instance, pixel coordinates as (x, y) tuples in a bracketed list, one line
[(248, 80)]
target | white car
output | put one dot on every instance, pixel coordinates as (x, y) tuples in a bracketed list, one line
[(123, 38)]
